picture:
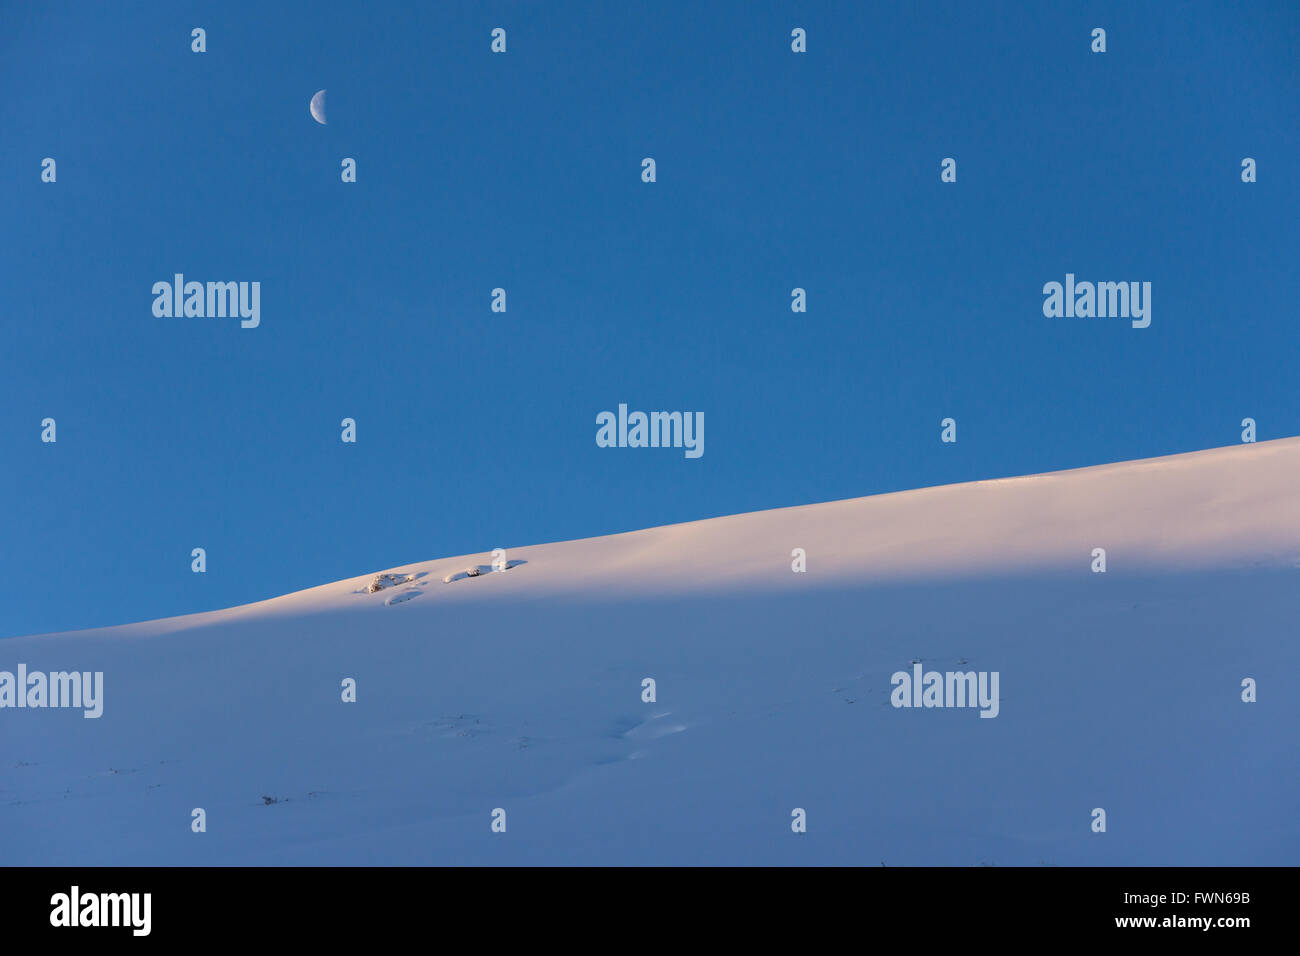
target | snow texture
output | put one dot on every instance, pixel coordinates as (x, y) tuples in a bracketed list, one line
[(523, 691)]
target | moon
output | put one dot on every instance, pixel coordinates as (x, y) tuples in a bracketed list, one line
[(318, 107)]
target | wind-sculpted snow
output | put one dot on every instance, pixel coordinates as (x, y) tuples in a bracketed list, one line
[(774, 690)]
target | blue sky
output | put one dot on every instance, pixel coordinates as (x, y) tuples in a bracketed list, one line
[(522, 171)]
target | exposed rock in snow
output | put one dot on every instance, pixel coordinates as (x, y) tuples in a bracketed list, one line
[(390, 580), (473, 571)]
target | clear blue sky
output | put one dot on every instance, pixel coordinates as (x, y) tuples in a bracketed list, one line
[(522, 170)]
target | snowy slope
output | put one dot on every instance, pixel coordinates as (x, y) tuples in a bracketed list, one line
[(522, 690)]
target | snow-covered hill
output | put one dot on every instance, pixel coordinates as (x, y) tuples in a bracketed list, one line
[(522, 690)]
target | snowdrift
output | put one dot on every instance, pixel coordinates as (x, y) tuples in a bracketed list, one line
[(774, 692)]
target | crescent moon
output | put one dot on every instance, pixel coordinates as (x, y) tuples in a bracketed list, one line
[(318, 107)]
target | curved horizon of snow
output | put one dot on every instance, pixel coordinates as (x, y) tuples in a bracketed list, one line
[(521, 690), (1243, 499)]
